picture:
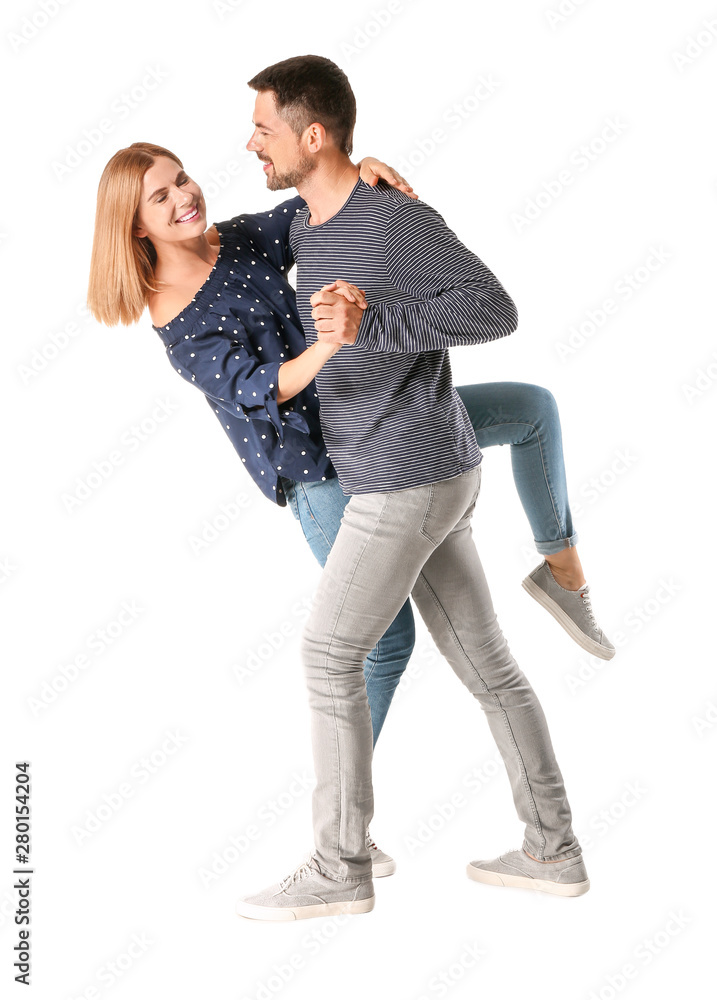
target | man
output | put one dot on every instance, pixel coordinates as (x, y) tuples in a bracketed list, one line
[(405, 452)]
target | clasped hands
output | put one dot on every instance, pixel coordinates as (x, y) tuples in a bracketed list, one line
[(336, 311), (337, 308)]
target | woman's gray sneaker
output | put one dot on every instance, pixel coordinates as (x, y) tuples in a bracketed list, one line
[(572, 608), (307, 893), (383, 864), (562, 878)]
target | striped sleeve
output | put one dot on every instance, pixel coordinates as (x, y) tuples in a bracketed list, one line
[(458, 300)]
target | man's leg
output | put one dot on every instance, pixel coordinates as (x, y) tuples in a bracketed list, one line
[(384, 540), (453, 598), (319, 507)]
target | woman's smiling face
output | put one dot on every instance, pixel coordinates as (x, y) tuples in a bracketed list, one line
[(172, 206)]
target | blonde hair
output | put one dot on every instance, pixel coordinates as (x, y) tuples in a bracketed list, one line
[(122, 264)]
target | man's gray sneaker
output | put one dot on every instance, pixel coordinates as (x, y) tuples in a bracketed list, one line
[(307, 893), (562, 878), (572, 608), (383, 864)]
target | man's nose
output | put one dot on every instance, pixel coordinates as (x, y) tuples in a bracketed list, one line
[(253, 145)]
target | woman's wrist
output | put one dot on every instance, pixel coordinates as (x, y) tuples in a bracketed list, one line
[(324, 350)]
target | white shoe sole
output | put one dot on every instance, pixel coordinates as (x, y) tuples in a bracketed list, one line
[(255, 912), (523, 882), (383, 868), (546, 601)]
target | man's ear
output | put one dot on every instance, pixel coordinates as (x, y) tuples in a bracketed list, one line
[(315, 137)]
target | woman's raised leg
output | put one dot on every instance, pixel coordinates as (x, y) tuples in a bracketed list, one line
[(526, 417)]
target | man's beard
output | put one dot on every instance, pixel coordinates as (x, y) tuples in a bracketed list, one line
[(294, 177)]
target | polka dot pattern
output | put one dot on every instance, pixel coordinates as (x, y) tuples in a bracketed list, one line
[(231, 344)]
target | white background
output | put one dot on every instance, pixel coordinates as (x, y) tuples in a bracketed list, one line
[(121, 905)]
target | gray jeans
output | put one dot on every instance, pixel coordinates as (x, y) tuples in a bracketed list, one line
[(418, 542)]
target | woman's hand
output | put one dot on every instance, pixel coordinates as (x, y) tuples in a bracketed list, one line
[(372, 171), (350, 292)]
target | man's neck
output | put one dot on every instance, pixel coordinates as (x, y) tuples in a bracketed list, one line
[(327, 188)]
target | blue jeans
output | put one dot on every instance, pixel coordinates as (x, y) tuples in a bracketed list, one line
[(516, 413), (526, 417)]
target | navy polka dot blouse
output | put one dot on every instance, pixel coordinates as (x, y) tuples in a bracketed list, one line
[(230, 340)]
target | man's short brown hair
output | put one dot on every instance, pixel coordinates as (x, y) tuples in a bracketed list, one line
[(311, 89)]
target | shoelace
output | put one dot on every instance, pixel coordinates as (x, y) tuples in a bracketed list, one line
[(370, 843), (303, 871), (585, 595)]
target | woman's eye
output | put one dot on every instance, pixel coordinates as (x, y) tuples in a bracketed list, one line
[(160, 200), (184, 181)]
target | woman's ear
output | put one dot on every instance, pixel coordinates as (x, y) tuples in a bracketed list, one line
[(139, 232)]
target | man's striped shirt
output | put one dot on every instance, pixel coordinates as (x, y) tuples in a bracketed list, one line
[(390, 416)]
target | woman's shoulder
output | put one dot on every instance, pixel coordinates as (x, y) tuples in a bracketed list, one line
[(166, 305)]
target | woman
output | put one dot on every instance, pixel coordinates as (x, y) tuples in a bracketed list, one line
[(220, 302)]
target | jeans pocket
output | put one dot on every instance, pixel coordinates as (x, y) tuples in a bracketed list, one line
[(448, 503), (479, 476), (428, 518)]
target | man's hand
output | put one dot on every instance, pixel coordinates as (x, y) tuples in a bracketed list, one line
[(372, 171), (336, 311)]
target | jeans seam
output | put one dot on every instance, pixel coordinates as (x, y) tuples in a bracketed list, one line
[(518, 444), (340, 878), (426, 513), (534, 429), (506, 721), (368, 674), (548, 547), (561, 528), (574, 852), (316, 521), (329, 640)]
